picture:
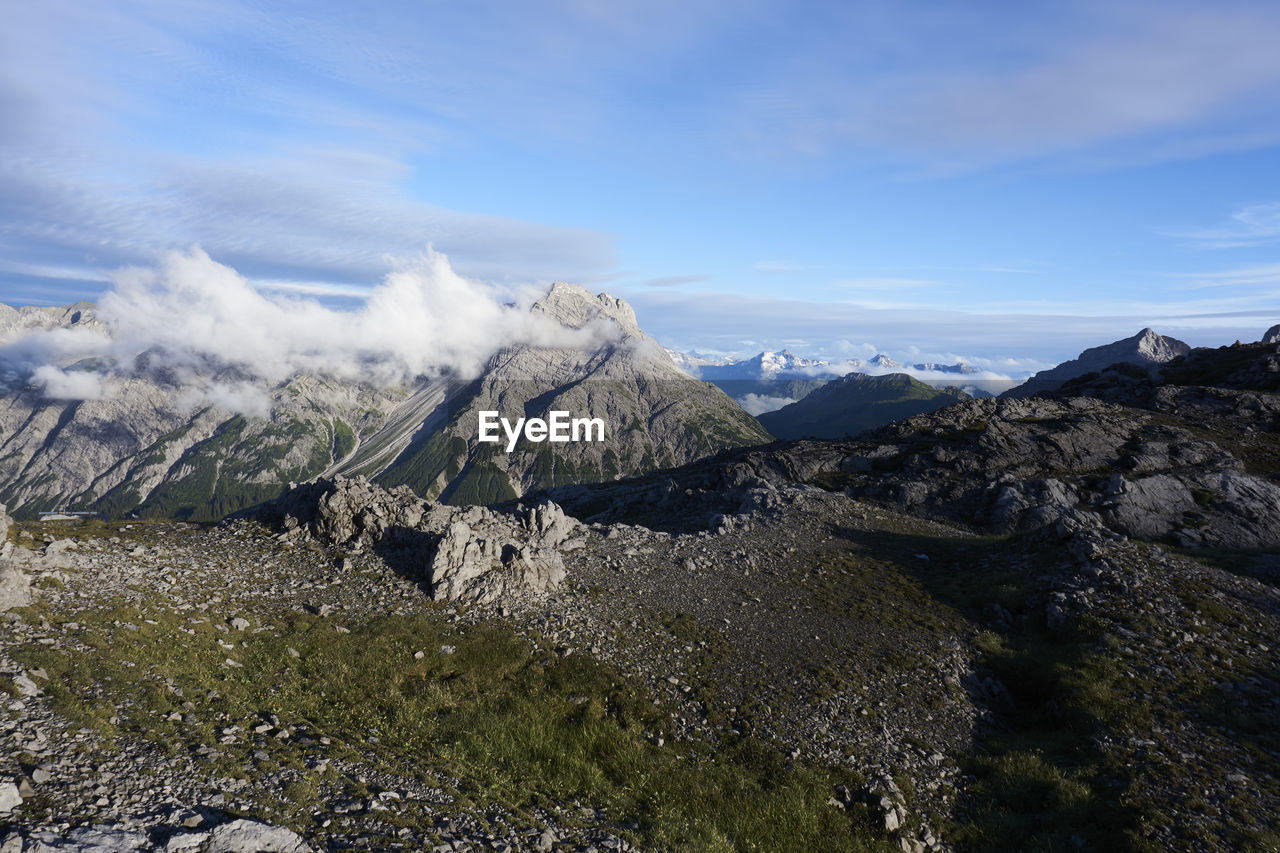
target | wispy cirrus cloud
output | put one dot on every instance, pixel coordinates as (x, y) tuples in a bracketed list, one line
[(779, 266), (1029, 332), (1251, 225), (675, 280), (1103, 79), (333, 217), (1260, 275), (887, 283)]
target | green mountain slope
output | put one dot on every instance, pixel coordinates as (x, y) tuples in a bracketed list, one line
[(855, 402)]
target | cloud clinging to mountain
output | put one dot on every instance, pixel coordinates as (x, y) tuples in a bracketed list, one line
[(203, 321)]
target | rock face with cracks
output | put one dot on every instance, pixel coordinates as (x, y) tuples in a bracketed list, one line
[(470, 554), (15, 586)]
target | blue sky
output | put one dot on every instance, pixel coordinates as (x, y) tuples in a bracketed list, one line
[(1004, 183)]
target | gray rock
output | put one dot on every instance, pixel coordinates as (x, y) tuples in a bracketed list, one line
[(466, 553), (26, 686), (15, 586), (10, 799), (185, 841), (128, 442), (1272, 335), (247, 836), (1146, 508), (88, 839)]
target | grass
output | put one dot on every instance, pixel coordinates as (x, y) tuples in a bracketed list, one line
[(1039, 782), (502, 719)]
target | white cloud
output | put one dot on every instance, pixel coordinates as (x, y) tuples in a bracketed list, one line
[(198, 316), (58, 384), (1264, 275), (325, 217), (1168, 79), (1253, 225), (758, 404), (242, 397), (1030, 332)]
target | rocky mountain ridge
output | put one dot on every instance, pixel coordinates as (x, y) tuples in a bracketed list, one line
[(144, 447), (1147, 349), (1185, 464)]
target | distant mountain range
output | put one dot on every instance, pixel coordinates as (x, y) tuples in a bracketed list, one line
[(785, 364), (770, 380)]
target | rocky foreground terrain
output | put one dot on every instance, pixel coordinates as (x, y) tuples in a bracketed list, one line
[(1010, 624)]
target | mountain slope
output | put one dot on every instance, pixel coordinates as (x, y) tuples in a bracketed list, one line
[(654, 414), (856, 402), (142, 447)]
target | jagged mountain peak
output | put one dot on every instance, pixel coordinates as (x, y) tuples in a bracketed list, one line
[(1154, 346), (1147, 348), (21, 320), (574, 306), (882, 360)]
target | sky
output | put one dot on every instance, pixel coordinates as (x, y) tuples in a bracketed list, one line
[(1004, 184)]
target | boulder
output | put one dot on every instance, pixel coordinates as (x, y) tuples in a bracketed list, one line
[(466, 553), (248, 836), (10, 799), (15, 586)]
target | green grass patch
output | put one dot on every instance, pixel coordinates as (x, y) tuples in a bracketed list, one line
[(509, 720)]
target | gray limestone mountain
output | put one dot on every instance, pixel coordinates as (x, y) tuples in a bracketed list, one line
[(141, 446), (1146, 348), (654, 415), (15, 322), (853, 403)]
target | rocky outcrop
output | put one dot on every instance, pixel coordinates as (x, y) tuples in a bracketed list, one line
[(1008, 465), (237, 836), (15, 586), (1272, 335), (470, 554)]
